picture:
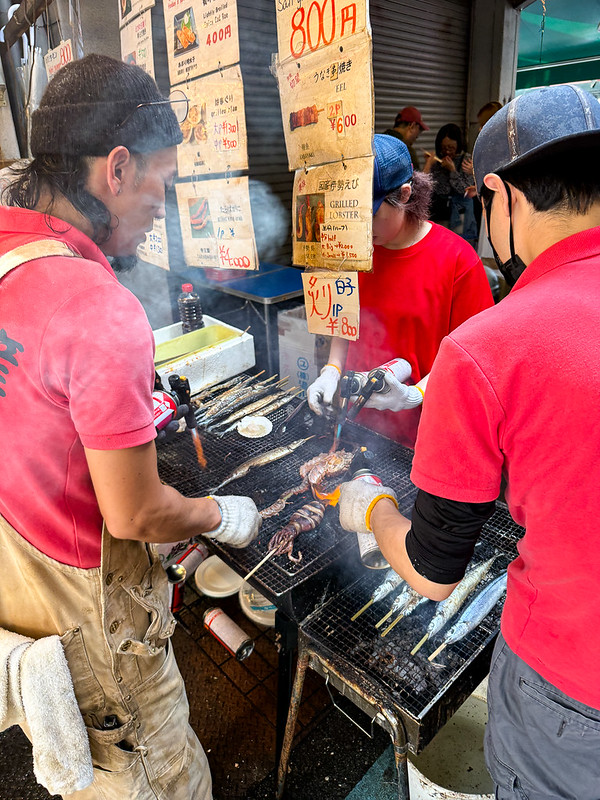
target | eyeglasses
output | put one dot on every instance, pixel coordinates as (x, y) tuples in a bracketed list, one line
[(177, 100)]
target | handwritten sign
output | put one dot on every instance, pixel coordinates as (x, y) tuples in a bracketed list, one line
[(214, 132), (332, 214), (154, 249), (202, 36), (331, 303), (58, 57), (216, 224), (304, 27), (128, 9), (136, 43), (327, 104)]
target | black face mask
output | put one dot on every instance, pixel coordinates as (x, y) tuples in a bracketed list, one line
[(515, 266)]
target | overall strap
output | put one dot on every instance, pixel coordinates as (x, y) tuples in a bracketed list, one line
[(29, 252)]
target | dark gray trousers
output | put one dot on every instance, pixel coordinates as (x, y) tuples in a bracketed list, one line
[(540, 744)]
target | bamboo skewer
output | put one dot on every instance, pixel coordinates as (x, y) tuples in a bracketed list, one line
[(436, 652), (417, 647), (269, 555), (389, 627), (384, 618), (364, 608)]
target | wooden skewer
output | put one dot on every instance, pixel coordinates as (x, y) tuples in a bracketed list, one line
[(436, 652), (269, 555), (420, 645), (389, 627), (383, 619), (364, 608)]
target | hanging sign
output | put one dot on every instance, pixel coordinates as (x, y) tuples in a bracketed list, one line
[(136, 43), (333, 216), (128, 9), (331, 303), (154, 249), (216, 223), (327, 111), (304, 27), (202, 36), (58, 57), (214, 132)]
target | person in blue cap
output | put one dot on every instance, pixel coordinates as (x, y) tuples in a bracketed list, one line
[(513, 395), (425, 281)]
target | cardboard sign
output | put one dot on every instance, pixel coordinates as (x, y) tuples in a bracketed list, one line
[(333, 215), (202, 36), (305, 26), (128, 9), (331, 302), (214, 132), (327, 104), (155, 249), (216, 224), (58, 57), (136, 43)]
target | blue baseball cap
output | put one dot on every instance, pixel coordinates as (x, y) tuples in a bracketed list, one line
[(536, 126), (391, 167)]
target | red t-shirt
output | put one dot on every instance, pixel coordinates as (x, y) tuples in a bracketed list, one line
[(408, 303), (76, 369), (515, 390)]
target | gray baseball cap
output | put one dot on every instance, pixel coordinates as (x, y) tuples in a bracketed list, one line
[(536, 126)]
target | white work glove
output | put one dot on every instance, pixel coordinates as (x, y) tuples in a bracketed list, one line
[(357, 500), (320, 393), (399, 397), (240, 521)]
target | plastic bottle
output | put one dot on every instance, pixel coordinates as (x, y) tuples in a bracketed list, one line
[(190, 309)]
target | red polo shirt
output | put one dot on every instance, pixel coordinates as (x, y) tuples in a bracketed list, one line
[(516, 390), (76, 369)]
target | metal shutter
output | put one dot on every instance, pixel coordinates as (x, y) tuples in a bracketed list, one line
[(421, 58)]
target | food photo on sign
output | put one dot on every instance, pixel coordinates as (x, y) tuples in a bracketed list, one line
[(185, 31)]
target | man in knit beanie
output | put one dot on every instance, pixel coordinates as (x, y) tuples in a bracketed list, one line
[(81, 497)]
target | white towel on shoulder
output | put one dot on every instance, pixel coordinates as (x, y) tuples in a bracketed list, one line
[(36, 688)]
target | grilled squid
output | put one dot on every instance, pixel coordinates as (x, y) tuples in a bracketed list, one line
[(306, 518)]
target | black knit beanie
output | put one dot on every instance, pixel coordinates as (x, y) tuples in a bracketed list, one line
[(90, 107)]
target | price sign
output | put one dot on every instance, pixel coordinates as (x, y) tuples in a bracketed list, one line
[(216, 224), (327, 104), (331, 302), (333, 216), (136, 43), (202, 36), (128, 9), (304, 27), (154, 249), (58, 57)]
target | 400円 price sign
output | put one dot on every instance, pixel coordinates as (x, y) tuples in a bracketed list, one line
[(216, 224), (332, 304)]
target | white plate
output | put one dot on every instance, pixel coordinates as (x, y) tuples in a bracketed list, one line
[(215, 579), (256, 606), (254, 427)]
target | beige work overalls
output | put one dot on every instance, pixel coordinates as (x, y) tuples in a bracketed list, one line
[(114, 623)]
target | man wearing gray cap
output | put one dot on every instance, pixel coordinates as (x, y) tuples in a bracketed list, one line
[(513, 394), (81, 496)]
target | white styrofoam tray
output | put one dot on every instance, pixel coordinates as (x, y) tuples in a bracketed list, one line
[(212, 364)]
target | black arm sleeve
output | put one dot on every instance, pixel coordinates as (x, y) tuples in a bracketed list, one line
[(442, 538)]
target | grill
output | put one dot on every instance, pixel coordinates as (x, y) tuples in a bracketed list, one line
[(329, 554)]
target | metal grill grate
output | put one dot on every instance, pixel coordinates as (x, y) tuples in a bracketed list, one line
[(412, 682)]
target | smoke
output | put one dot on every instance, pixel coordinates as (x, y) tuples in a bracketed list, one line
[(271, 221)]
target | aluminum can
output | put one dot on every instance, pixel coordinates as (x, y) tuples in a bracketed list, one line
[(229, 633), (370, 554)]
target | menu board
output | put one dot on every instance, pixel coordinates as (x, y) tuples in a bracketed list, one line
[(216, 223), (58, 57), (304, 28), (128, 9), (327, 114), (331, 302), (136, 43), (333, 216), (202, 36), (214, 132), (154, 249)]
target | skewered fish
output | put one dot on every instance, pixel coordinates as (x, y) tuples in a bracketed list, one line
[(239, 395), (306, 518), (414, 602), (474, 613), (215, 388), (390, 582), (259, 461), (447, 608), (399, 603), (265, 405)]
